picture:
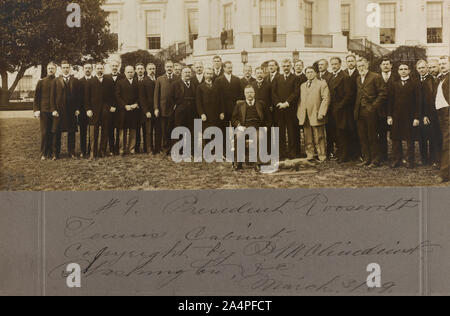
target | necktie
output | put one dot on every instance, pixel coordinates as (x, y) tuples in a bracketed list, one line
[(309, 84), (188, 84)]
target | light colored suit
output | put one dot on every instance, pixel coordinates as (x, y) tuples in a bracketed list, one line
[(314, 103)]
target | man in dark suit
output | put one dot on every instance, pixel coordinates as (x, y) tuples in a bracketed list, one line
[(217, 67), (163, 104), (146, 100), (274, 70), (250, 113), (263, 89), (42, 110), (248, 79), (430, 133), (184, 96), (324, 74), (285, 96), (210, 111), (404, 110), (371, 94), (127, 94), (142, 119), (65, 108), (99, 106), (352, 72), (443, 106), (83, 121), (198, 77), (114, 137), (341, 117), (228, 92), (298, 72), (389, 78)]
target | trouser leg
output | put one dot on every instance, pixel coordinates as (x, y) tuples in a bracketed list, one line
[(309, 139), (321, 143), (397, 151), (71, 143), (445, 153), (364, 139)]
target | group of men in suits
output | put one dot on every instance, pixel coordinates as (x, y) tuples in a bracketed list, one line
[(345, 114)]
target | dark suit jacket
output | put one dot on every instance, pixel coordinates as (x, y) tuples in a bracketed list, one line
[(428, 87), (195, 81), (43, 95), (370, 94), (383, 110), (228, 93), (99, 99), (245, 82), (206, 101), (217, 76), (264, 94), (128, 94), (83, 84), (446, 87), (341, 101), (65, 100), (301, 79), (147, 96), (327, 76), (163, 95), (116, 119), (286, 91), (404, 107), (354, 86), (184, 97), (240, 113)]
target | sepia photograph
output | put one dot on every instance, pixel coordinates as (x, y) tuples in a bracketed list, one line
[(349, 93), (224, 147)]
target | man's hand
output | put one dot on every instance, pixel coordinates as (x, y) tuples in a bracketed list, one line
[(90, 113), (149, 115), (128, 108), (416, 123), (55, 114), (37, 114), (286, 105), (204, 118), (113, 109), (134, 106), (222, 116), (157, 113), (320, 117), (77, 113), (426, 121), (390, 121), (279, 105)]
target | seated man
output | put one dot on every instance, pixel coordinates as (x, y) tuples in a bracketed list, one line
[(249, 113)]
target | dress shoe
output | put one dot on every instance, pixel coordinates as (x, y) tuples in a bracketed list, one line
[(257, 168), (396, 165), (238, 166), (54, 158), (43, 158), (81, 155), (410, 165), (442, 180)]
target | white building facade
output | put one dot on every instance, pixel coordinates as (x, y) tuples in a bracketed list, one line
[(267, 29)]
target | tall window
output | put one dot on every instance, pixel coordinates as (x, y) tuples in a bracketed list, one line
[(193, 26), (113, 19), (25, 84), (345, 18), (268, 18), (388, 23), (434, 22), (153, 30), (228, 22), (308, 22)]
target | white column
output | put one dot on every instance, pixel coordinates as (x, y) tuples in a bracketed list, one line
[(335, 24), (359, 12), (243, 25), (295, 38), (175, 21), (130, 16), (204, 12)]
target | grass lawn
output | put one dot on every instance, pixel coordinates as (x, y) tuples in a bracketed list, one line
[(22, 170)]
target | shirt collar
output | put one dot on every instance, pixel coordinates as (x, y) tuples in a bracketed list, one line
[(88, 78), (405, 79), (228, 76), (251, 103), (337, 72)]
